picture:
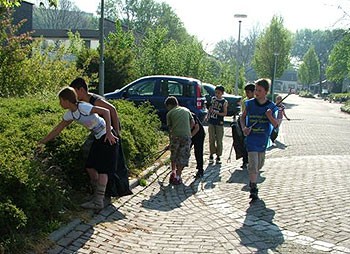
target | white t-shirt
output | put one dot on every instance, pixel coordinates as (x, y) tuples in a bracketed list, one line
[(82, 115)]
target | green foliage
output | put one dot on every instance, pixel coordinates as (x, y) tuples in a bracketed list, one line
[(275, 39), (37, 190), (340, 97), (339, 63), (346, 107), (29, 68), (141, 134), (120, 59), (306, 94), (30, 197), (309, 70)]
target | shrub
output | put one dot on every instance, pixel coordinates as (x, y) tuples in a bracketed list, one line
[(306, 94), (346, 107), (37, 191), (339, 97)]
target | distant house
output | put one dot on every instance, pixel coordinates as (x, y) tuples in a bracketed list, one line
[(289, 80), (90, 36)]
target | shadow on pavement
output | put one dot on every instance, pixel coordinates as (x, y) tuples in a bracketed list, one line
[(169, 197), (211, 176), (277, 145), (78, 234), (258, 230), (242, 176)]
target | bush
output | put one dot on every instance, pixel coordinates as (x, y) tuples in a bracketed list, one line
[(37, 191), (339, 97), (306, 94), (346, 107)]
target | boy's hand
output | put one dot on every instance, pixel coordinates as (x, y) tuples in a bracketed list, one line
[(246, 131), (111, 138), (268, 113)]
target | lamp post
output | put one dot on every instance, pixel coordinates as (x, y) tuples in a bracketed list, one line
[(274, 76), (101, 71), (239, 16)]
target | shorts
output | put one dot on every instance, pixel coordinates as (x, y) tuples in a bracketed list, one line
[(102, 156), (256, 161), (180, 148)]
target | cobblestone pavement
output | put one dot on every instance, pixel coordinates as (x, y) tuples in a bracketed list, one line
[(304, 206)]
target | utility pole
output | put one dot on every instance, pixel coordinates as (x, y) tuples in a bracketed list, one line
[(101, 76), (238, 60)]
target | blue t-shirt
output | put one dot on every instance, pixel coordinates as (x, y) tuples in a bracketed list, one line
[(259, 136)]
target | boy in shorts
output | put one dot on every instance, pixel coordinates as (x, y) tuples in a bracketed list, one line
[(180, 122), (257, 121)]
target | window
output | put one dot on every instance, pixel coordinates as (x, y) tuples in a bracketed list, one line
[(145, 88)]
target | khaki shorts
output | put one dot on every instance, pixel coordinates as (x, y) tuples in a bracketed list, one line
[(180, 148), (256, 161)]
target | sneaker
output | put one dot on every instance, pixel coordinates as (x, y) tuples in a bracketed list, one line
[(244, 166), (177, 180), (172, 178), (93, 204), (218, 161), (107, 201), (199, 174), (211, 159)]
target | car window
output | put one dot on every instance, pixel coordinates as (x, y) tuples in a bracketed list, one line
[(204, 91), (145, 88)]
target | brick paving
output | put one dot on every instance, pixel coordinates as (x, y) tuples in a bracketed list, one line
[(304, 207)]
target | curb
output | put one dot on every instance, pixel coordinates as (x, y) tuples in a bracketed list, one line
[(64, 230)]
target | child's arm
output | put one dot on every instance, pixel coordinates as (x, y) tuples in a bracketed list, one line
[(272, 120), (113, 112), (224, 113), (284, 114), (55, 131), (242, 120), (106, 115)]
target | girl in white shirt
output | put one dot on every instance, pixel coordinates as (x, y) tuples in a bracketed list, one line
[(103, 154)]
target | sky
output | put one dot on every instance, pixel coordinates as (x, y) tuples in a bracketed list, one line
[(213, 20)]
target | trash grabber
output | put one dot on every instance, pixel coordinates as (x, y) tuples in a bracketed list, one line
[(229, 157), (289, 93)]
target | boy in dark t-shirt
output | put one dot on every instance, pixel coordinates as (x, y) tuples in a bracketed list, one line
[(216, 114), (257, 122)]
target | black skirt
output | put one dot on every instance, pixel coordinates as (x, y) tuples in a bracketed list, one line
[(102, 156)]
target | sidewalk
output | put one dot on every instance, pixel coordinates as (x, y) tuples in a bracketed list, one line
[(304, 190)]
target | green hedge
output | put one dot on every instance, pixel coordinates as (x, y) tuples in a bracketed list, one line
[(339, 97), (346, 107), (37, 192), (306, 94)]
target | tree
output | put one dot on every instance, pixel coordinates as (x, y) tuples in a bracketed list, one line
[(274, 39), (66, 16), (141, 15), (309, 70), (339, 63), (13, 3), (323, 42)]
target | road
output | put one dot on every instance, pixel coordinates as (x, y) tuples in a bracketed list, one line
[(304, 207)]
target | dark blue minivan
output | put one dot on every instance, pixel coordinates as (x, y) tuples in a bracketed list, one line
[(156, 89)]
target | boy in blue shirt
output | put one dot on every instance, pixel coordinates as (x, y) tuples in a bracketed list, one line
[(257, 121)]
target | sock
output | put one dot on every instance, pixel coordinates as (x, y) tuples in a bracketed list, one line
[(100, 193)]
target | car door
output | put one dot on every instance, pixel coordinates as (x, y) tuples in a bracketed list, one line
[(141, 91)]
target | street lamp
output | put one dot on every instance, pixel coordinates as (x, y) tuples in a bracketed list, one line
[(101, 71), (274, 75), (239, 16)]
